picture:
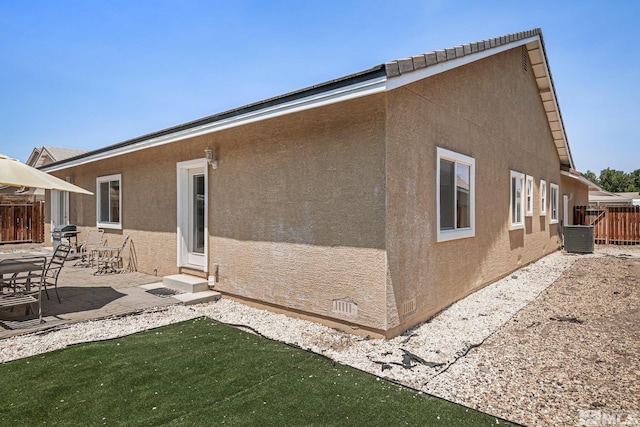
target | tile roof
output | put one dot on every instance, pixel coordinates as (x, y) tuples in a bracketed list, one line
[(407, 65)]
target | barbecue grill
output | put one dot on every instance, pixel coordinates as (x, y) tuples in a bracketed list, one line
[(64, 232)]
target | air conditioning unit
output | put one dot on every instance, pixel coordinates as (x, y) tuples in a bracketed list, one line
[(578, 238)]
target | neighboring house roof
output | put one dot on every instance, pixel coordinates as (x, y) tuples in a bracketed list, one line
[(377, 79), (634, 195), (41, 156), (602, 197)]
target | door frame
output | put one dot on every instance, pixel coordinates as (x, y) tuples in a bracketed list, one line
[(183, 170)]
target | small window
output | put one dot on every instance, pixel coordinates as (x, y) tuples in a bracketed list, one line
[(109, 201), (517, 200), (455, 195), (529, 195), (555, 199), (543, 197)]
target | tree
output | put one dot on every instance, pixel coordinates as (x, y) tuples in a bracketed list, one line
[(591, 177), (635, 180), (615, 181)]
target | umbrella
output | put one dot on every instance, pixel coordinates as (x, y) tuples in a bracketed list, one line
[(16, 174)]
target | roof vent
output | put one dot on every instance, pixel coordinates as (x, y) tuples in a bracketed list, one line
[(525, 60)]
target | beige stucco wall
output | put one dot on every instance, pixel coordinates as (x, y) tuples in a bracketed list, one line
[(148, 187), (489, 110), (297, 211), (335, 207)]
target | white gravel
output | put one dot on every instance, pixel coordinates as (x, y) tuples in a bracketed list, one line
[(439, 342)]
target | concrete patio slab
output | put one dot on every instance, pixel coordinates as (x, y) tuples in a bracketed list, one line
[(87, 297)]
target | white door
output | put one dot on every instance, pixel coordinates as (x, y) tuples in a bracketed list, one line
[(59, 208), (192, 214)]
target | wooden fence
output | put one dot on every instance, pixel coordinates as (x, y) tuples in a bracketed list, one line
[(22, 222), (612, 225)]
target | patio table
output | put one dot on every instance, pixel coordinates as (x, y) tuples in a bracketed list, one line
[(12, 264)]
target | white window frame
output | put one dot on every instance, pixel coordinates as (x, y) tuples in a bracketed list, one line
[(529, 195), (106, 224), (543, 197), (515, 225), (554, 200), (459, 233)]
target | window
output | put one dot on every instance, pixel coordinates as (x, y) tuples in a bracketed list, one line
[(543, 197), (554, 196), (109, 201), (517, 200), (455, 195), (529, 195)]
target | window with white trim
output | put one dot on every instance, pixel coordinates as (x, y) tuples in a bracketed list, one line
[(455, 189), (529, 195), (517, 200), (109, 201), (543, 197), (554, 200)]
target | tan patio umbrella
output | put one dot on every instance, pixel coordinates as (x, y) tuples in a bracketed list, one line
[(16, 174)]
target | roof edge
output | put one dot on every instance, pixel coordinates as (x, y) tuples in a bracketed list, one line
[(331, 85), (406, 65)]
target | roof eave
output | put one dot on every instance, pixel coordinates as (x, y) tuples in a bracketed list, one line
[(348, 87), (408, 70)]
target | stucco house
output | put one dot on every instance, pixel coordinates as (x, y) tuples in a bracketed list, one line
[(369, 202)]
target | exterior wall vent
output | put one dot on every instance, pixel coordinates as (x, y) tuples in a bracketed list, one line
[(409, 306), (525, 60), (344, 307)]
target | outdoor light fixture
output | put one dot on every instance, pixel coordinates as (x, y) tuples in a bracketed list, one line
[(208, 155)]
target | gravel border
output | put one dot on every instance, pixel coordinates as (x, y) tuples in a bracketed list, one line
[(428, 357)]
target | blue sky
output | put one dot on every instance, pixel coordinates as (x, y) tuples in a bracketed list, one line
[(87, 74)]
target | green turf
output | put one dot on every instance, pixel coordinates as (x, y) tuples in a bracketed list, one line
[(204, 373)]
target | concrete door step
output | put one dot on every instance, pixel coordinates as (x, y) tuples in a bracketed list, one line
[(198, 297), (186, 298), (186, 283)]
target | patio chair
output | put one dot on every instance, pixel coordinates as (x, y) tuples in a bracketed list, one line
[(54, 267), (49, 275), (109, 259), (94, 239), (25, 283)]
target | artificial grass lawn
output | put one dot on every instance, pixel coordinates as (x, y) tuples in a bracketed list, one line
[(205, 373)]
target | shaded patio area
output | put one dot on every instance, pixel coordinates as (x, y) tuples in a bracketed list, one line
[(86, 297)]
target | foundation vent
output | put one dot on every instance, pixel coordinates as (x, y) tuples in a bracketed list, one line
[(525, 60), (344, 307), (408, 306)]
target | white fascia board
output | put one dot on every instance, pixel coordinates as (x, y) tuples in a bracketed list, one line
[(432, 70), (357, 90)]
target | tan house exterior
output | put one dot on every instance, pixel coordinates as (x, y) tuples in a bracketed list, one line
[(369, 202)]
